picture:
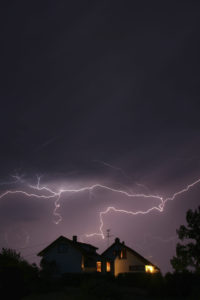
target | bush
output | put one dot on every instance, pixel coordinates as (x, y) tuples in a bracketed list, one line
[(103, 287), (182, 284), (17, 276)]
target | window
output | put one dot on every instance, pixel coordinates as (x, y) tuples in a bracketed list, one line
[(122, 254), (62, 248), (149, 269), (98, 266), (108, 267), (136, 268)]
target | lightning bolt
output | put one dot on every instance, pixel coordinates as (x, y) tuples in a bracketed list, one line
[(186, 189), (159, 208), (44, 192)]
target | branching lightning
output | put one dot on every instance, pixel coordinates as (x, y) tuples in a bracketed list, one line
[(44, 192)]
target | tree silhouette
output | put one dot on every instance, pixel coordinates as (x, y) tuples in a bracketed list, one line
[(188, 254), (16, 274)]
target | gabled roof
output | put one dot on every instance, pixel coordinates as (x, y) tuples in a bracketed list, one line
[(122, 245), (88, 245), (77, 245)]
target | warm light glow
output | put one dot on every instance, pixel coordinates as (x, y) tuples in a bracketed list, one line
[(82, 263), (149, 269), (123, 253), (98, 266), (108, 266)]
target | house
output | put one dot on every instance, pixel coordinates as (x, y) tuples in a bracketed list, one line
[(70, 256), (119, 258)]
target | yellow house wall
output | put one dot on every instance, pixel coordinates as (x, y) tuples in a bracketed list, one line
[(122, 265)]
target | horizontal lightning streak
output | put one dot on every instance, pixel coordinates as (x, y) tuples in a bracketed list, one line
[(57, 195), (26, 194)]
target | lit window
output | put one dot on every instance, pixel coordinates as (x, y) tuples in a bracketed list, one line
[(98, 266), (122, 254), (108, 266), (149, 269)]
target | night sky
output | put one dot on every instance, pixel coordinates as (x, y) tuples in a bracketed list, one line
[(98, 92)]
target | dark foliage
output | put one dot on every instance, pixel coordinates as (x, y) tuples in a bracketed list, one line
[(182, 285), (149, 284), (17, 276), (188, 254)]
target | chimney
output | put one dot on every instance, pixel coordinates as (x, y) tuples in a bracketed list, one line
[(74, 238), (117, 240)]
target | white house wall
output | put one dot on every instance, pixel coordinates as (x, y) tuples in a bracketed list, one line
[(122, 265)]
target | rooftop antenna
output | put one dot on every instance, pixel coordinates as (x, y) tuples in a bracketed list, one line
[(108, 236)]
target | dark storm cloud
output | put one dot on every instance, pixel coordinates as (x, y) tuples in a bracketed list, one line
[(17, 208), (105, 90), (96, 79)]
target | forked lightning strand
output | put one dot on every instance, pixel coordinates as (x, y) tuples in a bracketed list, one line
[(45, 192)]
